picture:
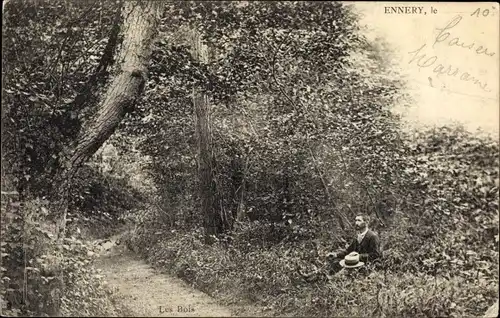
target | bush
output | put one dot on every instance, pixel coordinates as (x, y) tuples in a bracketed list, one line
[(41, 113), (440, 251), (449, 218), (267, 277), (42, 277), (99, 202)]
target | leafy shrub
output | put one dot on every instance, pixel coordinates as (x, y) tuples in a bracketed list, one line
[(438, 260), (453, 202), (52, 51), (267, 277), (99, 202), (41, 277), (276, 130)]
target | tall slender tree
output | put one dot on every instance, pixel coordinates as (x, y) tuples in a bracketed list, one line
[(215, 219), (140, 22)]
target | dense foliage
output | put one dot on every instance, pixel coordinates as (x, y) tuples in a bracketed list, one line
[(300, 114), (55, 60), (41, 277), (440, 256), (53, 66), (304, 138), (453, 203), (313, 137)]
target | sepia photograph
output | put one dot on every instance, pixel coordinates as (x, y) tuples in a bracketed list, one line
[(168, 158)]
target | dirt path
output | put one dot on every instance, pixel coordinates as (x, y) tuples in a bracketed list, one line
[(142, 292)]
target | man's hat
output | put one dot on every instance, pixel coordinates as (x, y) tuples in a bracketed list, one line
[(351, 261)]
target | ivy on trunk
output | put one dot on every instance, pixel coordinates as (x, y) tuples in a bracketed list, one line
[(139, 29)]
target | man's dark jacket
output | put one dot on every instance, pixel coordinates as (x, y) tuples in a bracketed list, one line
[(368, 249)]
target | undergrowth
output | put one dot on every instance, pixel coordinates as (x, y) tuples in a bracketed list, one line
[(41, 277), (440, 250), (268, 277)]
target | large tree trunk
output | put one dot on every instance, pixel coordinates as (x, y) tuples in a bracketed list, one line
[(214, 217), (139, 29)]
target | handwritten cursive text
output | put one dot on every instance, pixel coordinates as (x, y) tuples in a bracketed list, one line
[(422, 61), (443, 36)]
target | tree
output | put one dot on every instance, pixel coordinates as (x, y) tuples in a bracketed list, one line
[(286, 88), (214, 219), (140, 26)]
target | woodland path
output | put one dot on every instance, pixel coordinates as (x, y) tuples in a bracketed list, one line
[(139, 290)]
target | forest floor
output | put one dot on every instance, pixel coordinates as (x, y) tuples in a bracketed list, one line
[(141, 291)]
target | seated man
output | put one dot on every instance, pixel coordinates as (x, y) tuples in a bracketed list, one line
[(366, 244)]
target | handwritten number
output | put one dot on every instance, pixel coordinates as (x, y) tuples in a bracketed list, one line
[(485, 12)]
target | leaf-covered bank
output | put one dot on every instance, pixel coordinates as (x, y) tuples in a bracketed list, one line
[(440, 254)]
